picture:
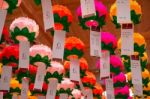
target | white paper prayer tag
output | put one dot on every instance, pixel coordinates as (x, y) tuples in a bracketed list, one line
[(75, 70), (95, 42), (41, 97), (123, 11), (127, 40), (24, 47), (82, 88), (136, 72), (109, 89), (5, 78), (40, 76), (3, 14), (47, 14), (58, 44), (63, 96), (138, 89), (89, 94), (1, 95), (52, 86), (88, 8), (25, 88), (105, 65), (14, 96)]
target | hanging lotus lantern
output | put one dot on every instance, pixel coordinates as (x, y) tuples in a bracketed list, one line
[(24, 29), (62, 18), (135, 11), (109, 42), (65, 87), (10, 56), (76, 94), (74, 48), (145, 77), (38, 92), (98, 20), (40, 53), (122, 93), (15, 88), (119, 80), (97, 91), (139, 44), (83, 67), (10, 5), (89, 80), (116, 65), (143, 60), (27, 73), (55, 71)]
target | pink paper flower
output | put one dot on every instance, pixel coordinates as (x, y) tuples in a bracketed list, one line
[(119, 78), (76, 94), (23, 22), (66, 84), (40, 49), (123, 91), (55, 67), (115, 61), (107, 38)]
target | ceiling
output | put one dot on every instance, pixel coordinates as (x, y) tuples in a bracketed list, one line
[(28, 8)]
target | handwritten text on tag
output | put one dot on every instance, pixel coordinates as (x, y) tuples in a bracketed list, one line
[(127, 46), (88, 8), (105, 65), (58, 44), (6, 77), (123, 11), (51, 92), (47, 14), (74, 70)]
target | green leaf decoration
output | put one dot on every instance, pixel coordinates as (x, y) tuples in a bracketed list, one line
[(12, 5), (39, 58), (74, 51), (101, 20), (135, 18), (37, 2), (54, 75), (24, 32)]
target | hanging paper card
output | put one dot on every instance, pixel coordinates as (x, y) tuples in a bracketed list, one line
[(52, 86), (105, 65), (136, 70), (1, 95), (95, 41), (24, 54), (63, 96), (82, 88), (14, 96), (127, 46), (47, 14), (3, 14), (74, 70), (6, 77), (123, 11), (41, 97), (40, 76), (138, 89), (109, 89), (89, 94), (88, 8), (58, 44), (25, 88)]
